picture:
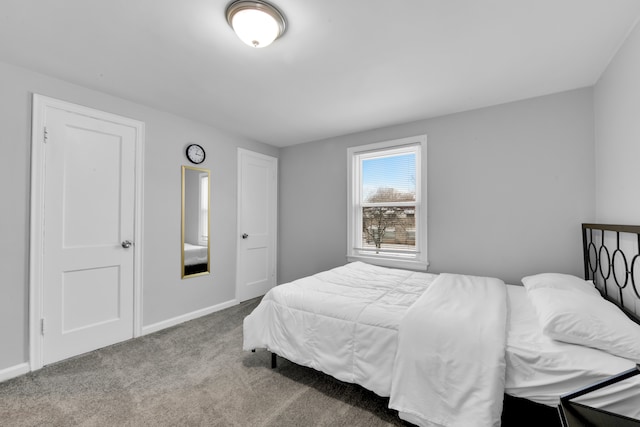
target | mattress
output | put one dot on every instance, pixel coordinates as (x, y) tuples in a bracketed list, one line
[(541, 369)]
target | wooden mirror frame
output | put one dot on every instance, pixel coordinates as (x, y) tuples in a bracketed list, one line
[(193, 263)]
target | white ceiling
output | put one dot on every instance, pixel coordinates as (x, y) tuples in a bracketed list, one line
[(342, 66)]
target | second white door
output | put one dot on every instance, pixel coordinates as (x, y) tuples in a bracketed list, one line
[(257, 223)]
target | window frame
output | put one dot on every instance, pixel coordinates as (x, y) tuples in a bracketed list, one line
[(401, 259)]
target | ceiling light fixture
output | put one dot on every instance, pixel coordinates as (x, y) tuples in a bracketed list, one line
[(257, 23)]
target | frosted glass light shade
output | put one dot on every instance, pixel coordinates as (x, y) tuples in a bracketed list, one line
[(256, 23)]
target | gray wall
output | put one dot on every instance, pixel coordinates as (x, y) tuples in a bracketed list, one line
[(617, 124), (508, 187), (165, 295)]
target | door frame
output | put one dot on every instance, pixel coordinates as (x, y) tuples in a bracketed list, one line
[(239, 231), (37, 216)]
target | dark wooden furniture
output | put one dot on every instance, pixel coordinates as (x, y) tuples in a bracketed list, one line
[(574, 414)]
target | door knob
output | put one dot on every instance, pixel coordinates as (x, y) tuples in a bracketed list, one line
[(126, 244), (245, 235)]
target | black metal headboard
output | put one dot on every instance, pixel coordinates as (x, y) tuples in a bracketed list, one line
[(612, 261)]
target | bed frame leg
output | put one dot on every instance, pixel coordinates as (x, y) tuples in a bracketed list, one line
[(274, 361)]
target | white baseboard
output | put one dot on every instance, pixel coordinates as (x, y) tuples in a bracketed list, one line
[(14, 371), (189, 316)]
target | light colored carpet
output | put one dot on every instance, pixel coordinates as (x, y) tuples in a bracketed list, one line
[(194, 374)]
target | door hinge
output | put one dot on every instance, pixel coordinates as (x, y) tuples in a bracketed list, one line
[(46, 134), (42, 326)]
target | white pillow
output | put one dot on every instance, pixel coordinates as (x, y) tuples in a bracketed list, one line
[(592, 321), (559, 281)]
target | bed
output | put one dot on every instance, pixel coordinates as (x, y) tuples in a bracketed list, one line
[(450, 361), (195, 258)]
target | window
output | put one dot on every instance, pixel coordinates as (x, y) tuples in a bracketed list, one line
[(387, 209), (203, 215)]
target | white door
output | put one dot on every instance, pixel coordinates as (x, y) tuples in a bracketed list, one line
[(88, 233), (257, 221)]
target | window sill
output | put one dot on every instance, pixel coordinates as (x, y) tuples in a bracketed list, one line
[(391, 262)]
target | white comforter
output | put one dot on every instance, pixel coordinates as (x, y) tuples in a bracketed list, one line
[(343, 322), (438, 339)]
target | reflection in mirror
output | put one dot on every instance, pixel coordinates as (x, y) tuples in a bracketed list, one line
[(195, 222)]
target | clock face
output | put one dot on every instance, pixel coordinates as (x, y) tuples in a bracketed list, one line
[(195, 153)]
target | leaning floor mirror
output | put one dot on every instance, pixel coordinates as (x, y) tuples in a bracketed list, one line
[(196, 258)]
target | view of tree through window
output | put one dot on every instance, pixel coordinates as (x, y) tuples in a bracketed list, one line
[(388, 202)]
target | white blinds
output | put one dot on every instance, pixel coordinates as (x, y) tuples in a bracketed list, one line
[(389, 176)]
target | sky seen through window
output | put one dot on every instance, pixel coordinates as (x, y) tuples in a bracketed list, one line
[(397, 171)]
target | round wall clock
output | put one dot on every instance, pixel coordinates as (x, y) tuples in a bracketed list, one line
[(195, 153)]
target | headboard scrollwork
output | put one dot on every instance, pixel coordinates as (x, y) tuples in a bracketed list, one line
[(612, 262)]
